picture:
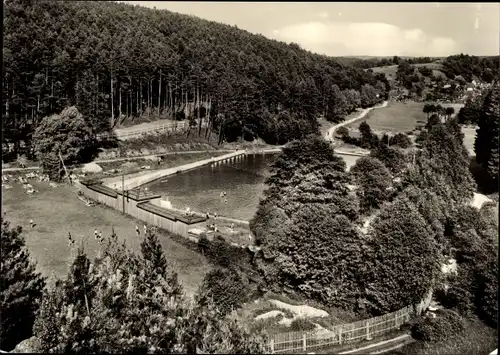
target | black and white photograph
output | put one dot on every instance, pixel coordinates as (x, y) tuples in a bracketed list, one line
[(203, 177)]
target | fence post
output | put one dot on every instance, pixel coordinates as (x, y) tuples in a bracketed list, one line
[(368, 337), (340, 335), (396, 318), (271, 345), (304, 342)]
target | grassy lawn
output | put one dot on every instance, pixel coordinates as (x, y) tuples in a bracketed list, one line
[(57, 211), (398, 116), (476, 339)]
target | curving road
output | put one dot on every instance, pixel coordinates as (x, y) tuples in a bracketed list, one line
[(362, 114)]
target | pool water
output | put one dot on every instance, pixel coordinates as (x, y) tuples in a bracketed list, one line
[(242, 179)]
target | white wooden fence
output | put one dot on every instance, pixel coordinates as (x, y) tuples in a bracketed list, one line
[(294, 342)]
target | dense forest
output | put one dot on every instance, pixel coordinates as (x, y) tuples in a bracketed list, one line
[(114, 60), (484, 68)]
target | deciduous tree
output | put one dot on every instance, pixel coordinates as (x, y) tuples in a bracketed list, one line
[(405, 258), (374, 181)]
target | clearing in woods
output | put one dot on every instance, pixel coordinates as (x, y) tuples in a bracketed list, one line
[(398, 117), (391, 70)]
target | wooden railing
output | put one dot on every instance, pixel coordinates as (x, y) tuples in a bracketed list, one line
[(294, 342)]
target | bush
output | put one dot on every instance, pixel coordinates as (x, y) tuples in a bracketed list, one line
[(302, 324), (228, 288), (447, 324), (342, 131), (221, 252), (456, 298), (400, 140)]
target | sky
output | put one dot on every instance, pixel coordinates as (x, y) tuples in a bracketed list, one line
[(360, 29)]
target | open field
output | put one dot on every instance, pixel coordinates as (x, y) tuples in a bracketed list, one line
[(477, 339), (390, 71), (57, 211), (398, 117)]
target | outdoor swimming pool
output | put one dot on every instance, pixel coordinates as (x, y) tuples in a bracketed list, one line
[(243, 181)]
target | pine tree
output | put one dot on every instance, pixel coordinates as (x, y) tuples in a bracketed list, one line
[(156, 263), (20, 286), (131, 309)]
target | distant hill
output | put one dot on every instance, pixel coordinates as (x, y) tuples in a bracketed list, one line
[(113, 60), (391, 70)]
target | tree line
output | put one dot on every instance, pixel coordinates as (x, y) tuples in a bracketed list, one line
[(114, 60), (382, 62), (467, 66)]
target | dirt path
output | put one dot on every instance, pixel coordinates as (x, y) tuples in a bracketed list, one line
[(362, 114)]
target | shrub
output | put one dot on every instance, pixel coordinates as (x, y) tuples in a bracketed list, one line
[(221, 252), (228, 288), (401, 140), (342, 131), (302, 324), (446, 325), (456, 298)]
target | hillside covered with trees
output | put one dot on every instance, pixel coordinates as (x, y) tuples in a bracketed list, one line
[(114, 60), (467, 66)]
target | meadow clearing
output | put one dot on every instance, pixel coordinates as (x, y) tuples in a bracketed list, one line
[(391, 70), (57, 212), (398, 117)]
